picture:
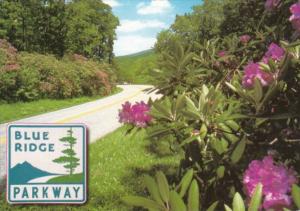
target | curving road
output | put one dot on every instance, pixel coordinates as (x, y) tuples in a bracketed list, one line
[(101, 116)]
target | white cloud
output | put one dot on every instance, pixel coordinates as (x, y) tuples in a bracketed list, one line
[(112, 3), (137, 25), (154, 7), (129, 44)]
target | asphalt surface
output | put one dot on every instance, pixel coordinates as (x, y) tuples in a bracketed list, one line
[(101, 116)]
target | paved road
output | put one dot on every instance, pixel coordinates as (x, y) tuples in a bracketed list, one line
[(101, 116)]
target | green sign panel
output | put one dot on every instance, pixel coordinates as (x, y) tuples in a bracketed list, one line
[(46, 163)]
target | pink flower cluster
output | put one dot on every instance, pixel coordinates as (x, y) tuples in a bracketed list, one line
[(295, 18), (245, 38), (276, 180), (136, 114), (272, 4), (253, 70)]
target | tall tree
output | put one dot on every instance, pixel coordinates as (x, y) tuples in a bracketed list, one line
[(69, 159)]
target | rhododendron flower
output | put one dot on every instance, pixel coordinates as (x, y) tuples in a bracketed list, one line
[(271, 4), (274, 52), (276, 179), (136, 114), (222, 53), (245, 38), (253, 71), (295, 18)]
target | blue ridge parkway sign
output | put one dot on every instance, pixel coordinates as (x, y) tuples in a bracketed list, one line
[(46, 163)]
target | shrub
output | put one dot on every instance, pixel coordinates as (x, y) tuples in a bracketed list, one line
[(231, 101), (31, 76)]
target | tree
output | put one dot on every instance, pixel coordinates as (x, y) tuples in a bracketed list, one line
[(71, 162), (91, 29)]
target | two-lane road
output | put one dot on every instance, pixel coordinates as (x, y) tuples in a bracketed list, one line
[(101, 116)]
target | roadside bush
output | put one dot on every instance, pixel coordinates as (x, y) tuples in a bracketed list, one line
[(31, 76)]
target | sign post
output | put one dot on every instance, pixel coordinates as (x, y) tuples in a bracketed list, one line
[(46, 164)]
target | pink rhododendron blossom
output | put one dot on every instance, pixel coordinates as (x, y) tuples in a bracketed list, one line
[(245, 38), (272, 4), (253, 71), (136, 114), (276, 180), (274, 52), (295, 18), (222, 53)]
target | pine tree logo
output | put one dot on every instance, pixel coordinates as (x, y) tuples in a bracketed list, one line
[(69, 159)]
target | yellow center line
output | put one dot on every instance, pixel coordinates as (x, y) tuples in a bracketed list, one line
[(76, 116)]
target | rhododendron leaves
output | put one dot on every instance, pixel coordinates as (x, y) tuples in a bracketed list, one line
[(153, 189), (213, 206), (142, 202), (176, 202), (238, 151), (256, 198), (258, 91), (203, 131), (227, 208), (163, 186), (220, 171), (193, 197), (185, 182), (296, 195), (238, 203)]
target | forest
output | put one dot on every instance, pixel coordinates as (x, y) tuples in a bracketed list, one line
[(42, 43)]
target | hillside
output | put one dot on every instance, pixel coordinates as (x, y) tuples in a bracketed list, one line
[(134, 68)]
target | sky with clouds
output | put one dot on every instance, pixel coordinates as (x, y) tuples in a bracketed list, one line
[(141, 20)]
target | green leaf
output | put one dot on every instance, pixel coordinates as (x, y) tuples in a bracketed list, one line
[(258, 91), (220, 171), (153, 189), (238, 203), (213, 206), (176, 202), (256, 198), (142, 202), (185, 182), (233, 125), (163, 186), (193, 197), (180, 103), (227, 208), (231, 86), (296, 195), (238, 151), (203, 131)]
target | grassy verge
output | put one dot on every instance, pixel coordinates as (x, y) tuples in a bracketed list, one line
[(117, 164), (15, 111)]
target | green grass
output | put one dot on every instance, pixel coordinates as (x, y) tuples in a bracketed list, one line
[(75, 178), (135, 68), (117, 164), (19, 110)]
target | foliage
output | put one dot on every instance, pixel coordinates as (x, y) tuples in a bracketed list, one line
[(231, 97), (32, 76), (185, 196), (82, 26)]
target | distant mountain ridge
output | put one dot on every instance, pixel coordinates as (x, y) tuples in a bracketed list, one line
[(138, 53), (24, 172), (135, 68)]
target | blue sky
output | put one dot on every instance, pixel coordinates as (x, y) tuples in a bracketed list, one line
[(141, 20)]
